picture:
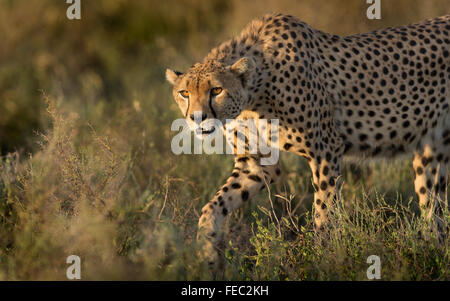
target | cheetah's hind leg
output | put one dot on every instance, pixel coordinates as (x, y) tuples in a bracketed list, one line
[(430, 181)]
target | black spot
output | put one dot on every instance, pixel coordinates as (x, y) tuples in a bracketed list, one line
[(254, 178), (363, 137), (235, 185), (425, 161), (393, 134), (419, 170), (244, 195), (332, 182), (287, 146)]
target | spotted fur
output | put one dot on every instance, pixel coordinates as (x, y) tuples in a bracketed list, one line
[(378, 94)]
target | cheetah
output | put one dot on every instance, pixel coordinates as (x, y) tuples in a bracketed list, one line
[(378, 94)]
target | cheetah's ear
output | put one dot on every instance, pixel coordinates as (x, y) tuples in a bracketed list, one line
[(172, 76), (244, 68)]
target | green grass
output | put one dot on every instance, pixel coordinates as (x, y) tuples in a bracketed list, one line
[(86, 165)]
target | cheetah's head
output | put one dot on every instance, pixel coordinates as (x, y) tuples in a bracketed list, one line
[(212, 91)]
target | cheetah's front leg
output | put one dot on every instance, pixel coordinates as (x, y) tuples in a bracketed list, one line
[(247, 179)]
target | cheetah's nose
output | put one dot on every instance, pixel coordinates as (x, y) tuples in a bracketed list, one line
[(203, 117)]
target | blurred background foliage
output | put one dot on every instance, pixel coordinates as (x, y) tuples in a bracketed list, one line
[(86, 165)]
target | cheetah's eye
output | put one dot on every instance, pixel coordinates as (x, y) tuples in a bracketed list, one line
[(216, 91), (184, 93)]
